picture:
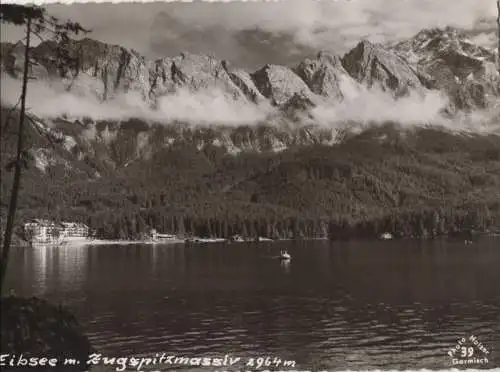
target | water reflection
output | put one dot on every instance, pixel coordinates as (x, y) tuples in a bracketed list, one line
[(40, 268), (165, 254), (374, 305), (60, 266), (285, 265)]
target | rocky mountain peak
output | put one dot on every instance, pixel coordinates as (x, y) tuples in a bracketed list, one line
[(333, 59), (441, 59), (280, 84), (325, 76), (465, 71), (440, 41), (373, 65), (12, 57)]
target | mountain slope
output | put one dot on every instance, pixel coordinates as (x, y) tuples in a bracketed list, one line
[(193, 144), (383, 179), (466, 72), (433, 59)]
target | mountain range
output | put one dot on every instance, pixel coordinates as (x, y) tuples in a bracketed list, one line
[(369, 133)]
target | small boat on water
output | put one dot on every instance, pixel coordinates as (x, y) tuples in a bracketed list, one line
[(284, 255)]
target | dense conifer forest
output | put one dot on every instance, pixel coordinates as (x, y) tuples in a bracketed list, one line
[(423, 182)]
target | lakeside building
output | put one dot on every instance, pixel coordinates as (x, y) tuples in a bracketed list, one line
[(40, 231), (154, 235)]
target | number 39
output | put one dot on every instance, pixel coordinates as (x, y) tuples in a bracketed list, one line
[(466, 352)]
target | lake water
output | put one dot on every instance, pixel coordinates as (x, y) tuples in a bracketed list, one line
[(369, 305)]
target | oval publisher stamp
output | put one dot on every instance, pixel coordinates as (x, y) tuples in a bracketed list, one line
[(469, 351)]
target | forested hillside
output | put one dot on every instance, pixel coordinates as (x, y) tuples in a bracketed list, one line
[(419, 182), (400, 139)]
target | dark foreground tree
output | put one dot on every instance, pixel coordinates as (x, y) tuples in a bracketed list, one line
[(37, 23), (498, 28)]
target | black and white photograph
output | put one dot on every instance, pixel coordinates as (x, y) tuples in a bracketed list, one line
[(250, 186)]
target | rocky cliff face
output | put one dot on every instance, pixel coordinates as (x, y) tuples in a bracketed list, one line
[(373, 65), (466, 72), (93, 147), (442, 60), (325, 76), (434, 59)]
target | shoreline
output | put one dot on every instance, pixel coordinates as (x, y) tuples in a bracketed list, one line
[(96, 242), (129, 242), (100, 242)]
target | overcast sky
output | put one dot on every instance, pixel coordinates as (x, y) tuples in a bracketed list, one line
[(251, 33)]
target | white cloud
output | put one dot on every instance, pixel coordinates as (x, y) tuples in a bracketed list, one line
[(343, 22), (49, 99), (207, 107), (329, 24), (373, 105), (486, 39)]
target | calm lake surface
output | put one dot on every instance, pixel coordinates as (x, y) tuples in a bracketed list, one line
[(335, 306)]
